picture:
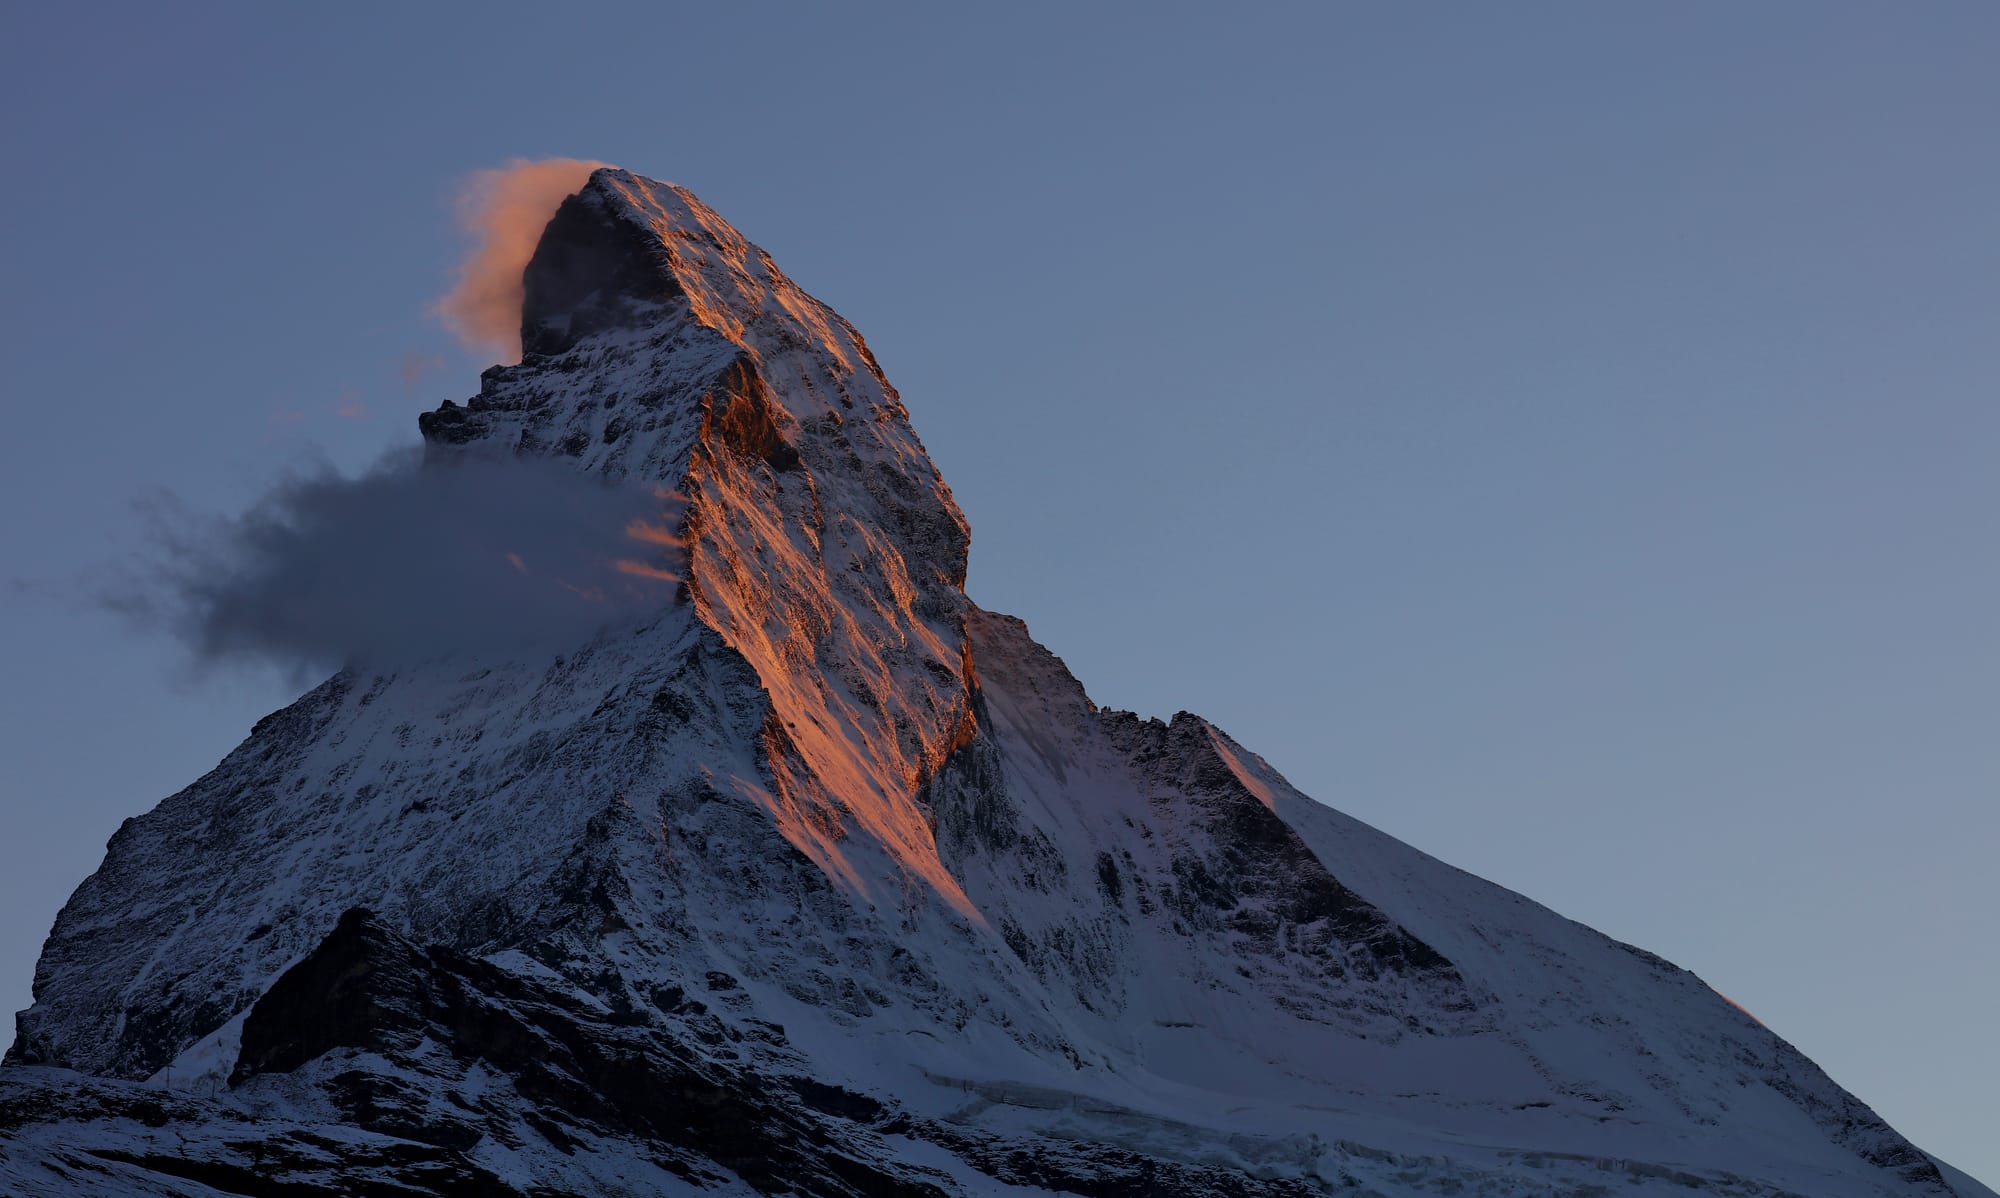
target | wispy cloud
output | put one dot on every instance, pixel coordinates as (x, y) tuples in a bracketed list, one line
[(407, 561), (505, 211)]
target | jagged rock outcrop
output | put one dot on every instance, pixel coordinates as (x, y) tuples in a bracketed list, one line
[(819, 879)]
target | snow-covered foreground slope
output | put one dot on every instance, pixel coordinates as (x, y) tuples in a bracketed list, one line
[(819, 879)]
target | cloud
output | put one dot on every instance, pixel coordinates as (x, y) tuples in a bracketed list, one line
[(415, 365), (505, 211), (477, 558)]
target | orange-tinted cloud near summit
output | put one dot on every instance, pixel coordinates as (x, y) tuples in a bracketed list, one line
[(505, 210)]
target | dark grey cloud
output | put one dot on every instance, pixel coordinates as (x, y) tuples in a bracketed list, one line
[(479, 557)]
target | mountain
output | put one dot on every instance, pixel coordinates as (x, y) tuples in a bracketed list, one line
[(816, 878)]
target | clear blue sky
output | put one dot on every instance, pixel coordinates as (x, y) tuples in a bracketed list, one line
[(1563, 435)]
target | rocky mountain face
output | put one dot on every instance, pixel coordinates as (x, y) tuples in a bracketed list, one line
[(819, 879)]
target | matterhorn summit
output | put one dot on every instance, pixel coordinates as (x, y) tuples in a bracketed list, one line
[(812, 877)]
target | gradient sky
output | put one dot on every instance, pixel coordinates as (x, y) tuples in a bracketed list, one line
[(1562, 435)]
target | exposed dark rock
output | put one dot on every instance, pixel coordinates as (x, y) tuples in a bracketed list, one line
[(580, 1070), (589, 273), (1248, 853)]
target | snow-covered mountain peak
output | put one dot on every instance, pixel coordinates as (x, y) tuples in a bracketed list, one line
[(624, 245), (820, 541), (823, 880)]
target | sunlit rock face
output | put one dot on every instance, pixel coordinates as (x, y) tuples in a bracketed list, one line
[(818, 879), (823, 545)]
